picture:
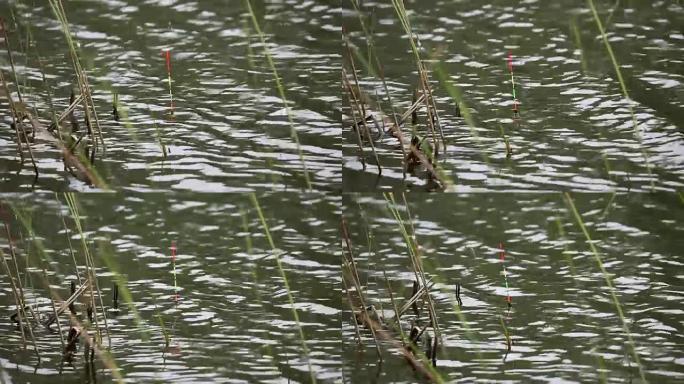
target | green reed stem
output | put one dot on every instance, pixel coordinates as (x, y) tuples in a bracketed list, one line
[(281, 90), (609, 283), (616, 67), (276, 254)]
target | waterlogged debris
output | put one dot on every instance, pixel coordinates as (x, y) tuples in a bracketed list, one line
[(70, 348)]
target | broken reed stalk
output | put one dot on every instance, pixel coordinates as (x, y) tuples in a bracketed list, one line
[(72, 203), (433, 116), (65, 305), (281, 91), (81, 77), (623, 87), (276, 254), (609, 284)]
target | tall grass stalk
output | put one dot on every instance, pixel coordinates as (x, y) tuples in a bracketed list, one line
[(276, 254), (281, 90), (623, 87), (609, 284)]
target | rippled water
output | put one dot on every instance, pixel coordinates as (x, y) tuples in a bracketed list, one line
[(563, 323), (233, 321), (574, 130), (230, 131)]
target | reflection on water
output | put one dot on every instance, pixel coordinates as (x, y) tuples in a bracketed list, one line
[(233, 319), (574, 130), (229, 131), (562, 322)]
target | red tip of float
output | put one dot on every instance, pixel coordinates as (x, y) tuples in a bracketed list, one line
[(167, 54)]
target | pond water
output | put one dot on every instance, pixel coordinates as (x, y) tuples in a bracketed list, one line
[(562, 322), (233, 321), (229, 131), (574, 129)]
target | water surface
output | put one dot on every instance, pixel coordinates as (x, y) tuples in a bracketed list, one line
[(562, 322), (574, 130), (233, 321), (229, 131)]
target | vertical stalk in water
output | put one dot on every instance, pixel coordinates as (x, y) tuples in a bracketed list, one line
[(609, 284), (281, 90), (623, 87), (276, 254)]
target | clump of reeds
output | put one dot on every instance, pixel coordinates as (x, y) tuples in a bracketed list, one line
[(389, 331), (422, 149), (92, 121), (88, 330), (25, 120)]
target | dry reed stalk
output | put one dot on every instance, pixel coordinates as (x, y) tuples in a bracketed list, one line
[(361, 110), (21, 305), (348, 93), (350, 265)]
